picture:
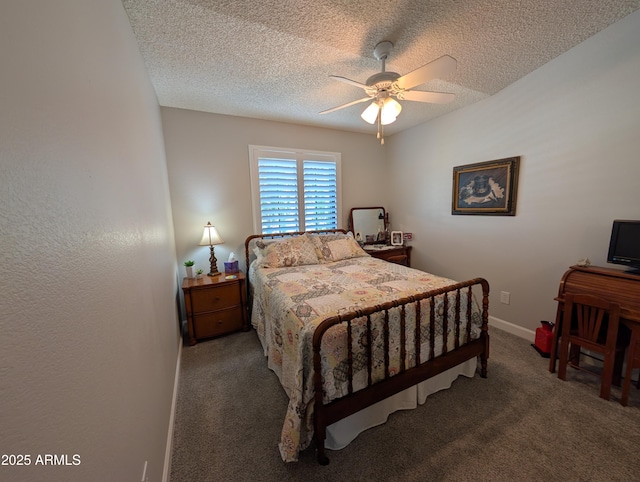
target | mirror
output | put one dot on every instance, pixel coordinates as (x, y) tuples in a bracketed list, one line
[(368, 224)]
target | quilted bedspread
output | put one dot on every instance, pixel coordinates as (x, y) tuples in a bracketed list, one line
[(290, 302)]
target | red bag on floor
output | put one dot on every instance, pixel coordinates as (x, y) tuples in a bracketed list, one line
[(544, 335)]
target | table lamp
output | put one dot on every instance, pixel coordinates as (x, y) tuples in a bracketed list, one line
[(210, 237)]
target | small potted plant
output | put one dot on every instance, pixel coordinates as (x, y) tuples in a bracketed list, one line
[(199, 274), (189, 266)]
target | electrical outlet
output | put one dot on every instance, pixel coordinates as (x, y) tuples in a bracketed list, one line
[(505, 297)]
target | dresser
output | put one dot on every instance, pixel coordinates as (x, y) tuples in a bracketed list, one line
[(393, 254), (215, 305)]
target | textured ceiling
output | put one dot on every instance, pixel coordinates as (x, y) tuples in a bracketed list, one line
[(271, 59)]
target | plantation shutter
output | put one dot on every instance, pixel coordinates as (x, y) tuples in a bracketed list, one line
[(278, 195), (294, 190), (320, 195)]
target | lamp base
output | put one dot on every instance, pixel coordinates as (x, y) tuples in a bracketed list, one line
[(214, 264)]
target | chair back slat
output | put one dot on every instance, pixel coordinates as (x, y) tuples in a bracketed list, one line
[(589, 319), (588, 315)]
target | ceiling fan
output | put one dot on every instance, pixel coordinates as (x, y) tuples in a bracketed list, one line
[(384, 87)]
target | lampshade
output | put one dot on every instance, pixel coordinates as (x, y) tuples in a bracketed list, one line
[(370, 114), (390, 110), (210, 236)]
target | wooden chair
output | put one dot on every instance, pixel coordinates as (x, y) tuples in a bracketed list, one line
[(574, 350), (590, 323), (633, 360)]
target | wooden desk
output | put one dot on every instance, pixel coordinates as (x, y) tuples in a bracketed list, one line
[(612, 284)]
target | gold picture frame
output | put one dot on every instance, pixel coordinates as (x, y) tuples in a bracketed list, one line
[(488, 188)]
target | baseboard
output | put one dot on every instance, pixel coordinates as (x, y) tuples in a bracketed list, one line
[(169, 450), (511, 328)]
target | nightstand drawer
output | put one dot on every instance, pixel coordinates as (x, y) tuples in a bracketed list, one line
[(215, 305), (225, 296), (392, 254), (399, 259), (218, 323)]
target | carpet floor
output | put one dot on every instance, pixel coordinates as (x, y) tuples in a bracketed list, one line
[(520, 423)]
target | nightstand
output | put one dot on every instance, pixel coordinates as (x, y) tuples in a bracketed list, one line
[(393, 254), (215, 306)]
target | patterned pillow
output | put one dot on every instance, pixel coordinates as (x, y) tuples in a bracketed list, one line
[(295, 251), (336, 247)]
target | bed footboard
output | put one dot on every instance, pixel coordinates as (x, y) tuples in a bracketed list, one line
[(425, 366)]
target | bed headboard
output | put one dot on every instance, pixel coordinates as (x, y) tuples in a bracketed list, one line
[(249, 243)]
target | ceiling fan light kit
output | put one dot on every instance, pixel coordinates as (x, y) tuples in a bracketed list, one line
[(383, 86), (390, 110), (370, 114)]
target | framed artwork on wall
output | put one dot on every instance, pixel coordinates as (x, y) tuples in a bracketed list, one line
[(488, 188)]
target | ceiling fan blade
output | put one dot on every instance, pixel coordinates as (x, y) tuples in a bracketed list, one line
[(433, 97), (346, 105), (349, 81), (438, 68)]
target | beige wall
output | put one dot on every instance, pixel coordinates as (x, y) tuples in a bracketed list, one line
[(88, 331), (575, 123), (208, 164)]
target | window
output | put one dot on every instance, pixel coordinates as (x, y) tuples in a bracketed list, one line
[(294, 190)]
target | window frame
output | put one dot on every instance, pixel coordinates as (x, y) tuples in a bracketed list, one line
[(299, 155)]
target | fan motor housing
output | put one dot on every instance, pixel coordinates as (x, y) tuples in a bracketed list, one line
[(386, 77), (382, 50)]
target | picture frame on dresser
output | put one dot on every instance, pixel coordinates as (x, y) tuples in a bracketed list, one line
[(397, 238), (486, 188)]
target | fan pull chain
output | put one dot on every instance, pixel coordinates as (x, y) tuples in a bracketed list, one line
[(380, 128)]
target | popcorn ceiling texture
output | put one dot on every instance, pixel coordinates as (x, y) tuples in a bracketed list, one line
[(271, 59)]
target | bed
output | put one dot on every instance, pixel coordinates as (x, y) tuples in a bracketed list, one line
[(338, 327)]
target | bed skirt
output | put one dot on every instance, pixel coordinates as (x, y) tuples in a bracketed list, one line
[(343, 432)]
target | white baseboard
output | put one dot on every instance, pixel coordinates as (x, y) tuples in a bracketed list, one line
[(511, 328), (169, 450)]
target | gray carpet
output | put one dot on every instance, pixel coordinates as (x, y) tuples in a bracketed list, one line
[(521, 423)]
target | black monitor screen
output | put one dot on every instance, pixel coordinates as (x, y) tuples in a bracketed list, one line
[(624, 247), (628, 239)]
